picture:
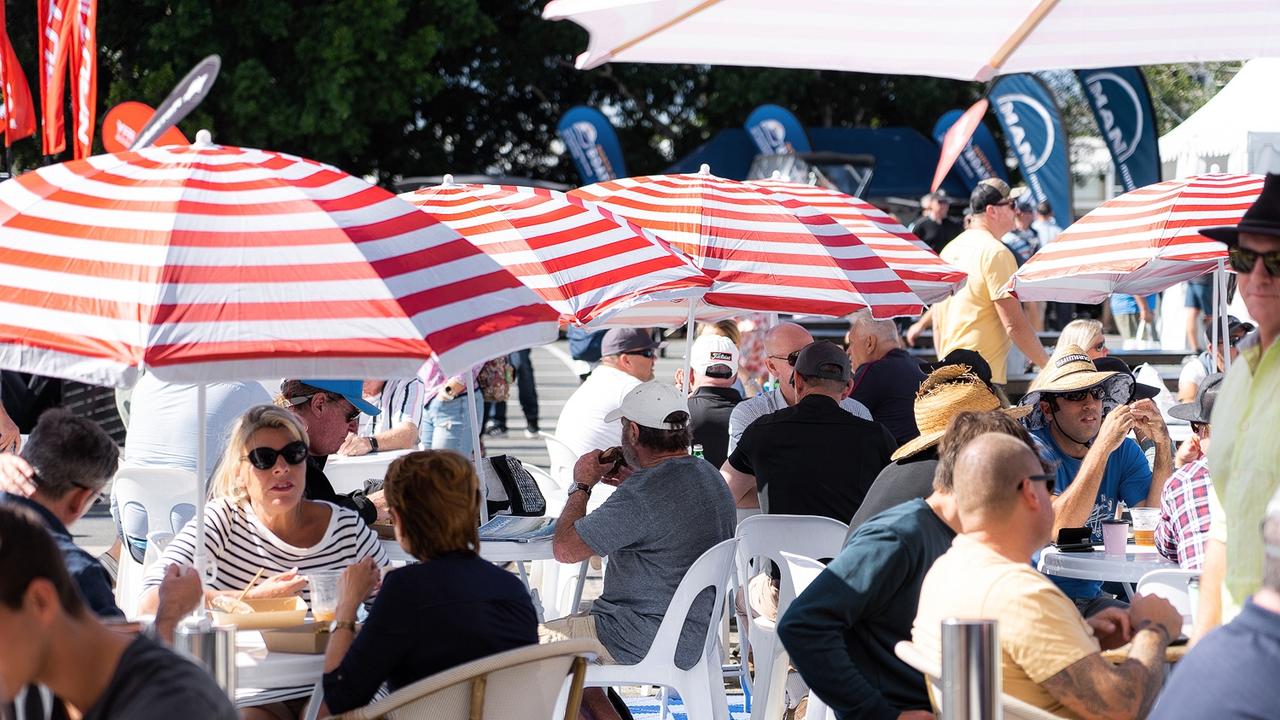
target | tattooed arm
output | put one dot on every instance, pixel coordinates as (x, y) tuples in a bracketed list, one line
[(1094, 688)]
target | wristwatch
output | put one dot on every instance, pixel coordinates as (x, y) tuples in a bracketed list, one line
[(373, 444), (337, 625), (583, 487)]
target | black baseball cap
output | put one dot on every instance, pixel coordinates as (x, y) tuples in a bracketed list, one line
[(992, 191), (823, 359), (970, 358), (625, 339)]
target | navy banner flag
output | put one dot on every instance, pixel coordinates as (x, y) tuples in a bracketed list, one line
[(592, 143), (981, 157), (776, 131), (1034, 131), (1122, 107)]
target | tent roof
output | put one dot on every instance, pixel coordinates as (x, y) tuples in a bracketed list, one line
[(1249, 103)]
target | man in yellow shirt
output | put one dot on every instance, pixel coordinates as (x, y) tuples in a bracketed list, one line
[(1050, 655), (983, 316), (1245, 457)]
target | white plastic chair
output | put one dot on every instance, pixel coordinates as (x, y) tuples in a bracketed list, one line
[(798, 573), (159, 490), (701, 686), (765, 537), (562, 459), (1014, 708), (1172, 586)]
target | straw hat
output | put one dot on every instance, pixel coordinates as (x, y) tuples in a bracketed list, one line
[(944, 394), (1071, 370)]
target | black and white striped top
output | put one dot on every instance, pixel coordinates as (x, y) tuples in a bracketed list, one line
[(239, 544), (401, 400)]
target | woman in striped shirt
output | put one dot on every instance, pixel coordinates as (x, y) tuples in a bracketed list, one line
[(258, 519)]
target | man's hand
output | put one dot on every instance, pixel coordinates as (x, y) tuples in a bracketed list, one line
[(1155, 610), (286, 584), (1189, 451), (358, 580), (1115, 427), (913, 334), (589, 470), (355, 445), (616, 479), (10, 438), (1147, 418), (1111, 627), (17, 477), (379, 500), (180, 591)]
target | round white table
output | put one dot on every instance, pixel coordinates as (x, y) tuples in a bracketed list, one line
[(264, 677), (349, 473), (1128, 569)]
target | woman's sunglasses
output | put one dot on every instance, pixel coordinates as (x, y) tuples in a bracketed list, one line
[(264, 458), (1243, 260)]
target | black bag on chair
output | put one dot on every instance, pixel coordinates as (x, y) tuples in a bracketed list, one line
[(512, 488)]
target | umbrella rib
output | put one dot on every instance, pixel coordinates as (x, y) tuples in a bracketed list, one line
[(1014, 41), (705, 4)]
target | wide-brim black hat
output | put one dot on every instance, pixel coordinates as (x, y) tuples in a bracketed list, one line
[(1262, 218)]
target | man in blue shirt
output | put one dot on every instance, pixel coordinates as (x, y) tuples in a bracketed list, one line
[(1082, 419)]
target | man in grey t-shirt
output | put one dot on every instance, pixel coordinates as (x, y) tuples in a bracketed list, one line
[(669, 508)]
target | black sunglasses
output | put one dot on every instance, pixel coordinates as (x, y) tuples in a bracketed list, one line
[(264, 458), (791, 359), (1049, 479), (1097, 393), (643, 353), (1243, 260)]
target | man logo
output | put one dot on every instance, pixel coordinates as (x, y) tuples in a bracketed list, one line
[(771, 137), (1017, 111), (1107, 89), (581, 141)]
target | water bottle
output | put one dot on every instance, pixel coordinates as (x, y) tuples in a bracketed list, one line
[(697, 451)]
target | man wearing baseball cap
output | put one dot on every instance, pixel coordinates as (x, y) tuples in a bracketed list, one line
[(330, 409), (812, 458), (1245, 459), (1184, 504), (627, 357), (983, 315), (715, 367), (934, 227), (668, 509)]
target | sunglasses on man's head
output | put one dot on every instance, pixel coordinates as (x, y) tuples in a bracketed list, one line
[(642, 353), (1243, 260), (264, 458), (1096, 392)]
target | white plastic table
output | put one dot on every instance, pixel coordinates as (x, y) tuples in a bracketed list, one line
[(349, 473), (264, 677), (1097, 565)]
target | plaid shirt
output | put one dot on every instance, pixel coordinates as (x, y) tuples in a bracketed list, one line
[(1184, 515)]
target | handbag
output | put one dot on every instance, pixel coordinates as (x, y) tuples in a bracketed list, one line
[(495, 379), (511, 487)]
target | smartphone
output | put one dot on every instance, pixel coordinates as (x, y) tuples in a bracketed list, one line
[(613, 455)]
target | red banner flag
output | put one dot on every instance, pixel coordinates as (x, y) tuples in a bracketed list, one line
[(83, 52), (956, 139), (56, 26), (16, 113)]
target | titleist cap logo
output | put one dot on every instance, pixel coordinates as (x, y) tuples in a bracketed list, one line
[(718, 355)]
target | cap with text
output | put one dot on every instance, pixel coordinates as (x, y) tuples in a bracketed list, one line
[(712, 350)]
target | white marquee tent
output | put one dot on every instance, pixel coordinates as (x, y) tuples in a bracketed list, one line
[(1238, 131)]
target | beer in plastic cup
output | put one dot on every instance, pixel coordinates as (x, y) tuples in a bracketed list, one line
[(324, 595), (1144, 525)]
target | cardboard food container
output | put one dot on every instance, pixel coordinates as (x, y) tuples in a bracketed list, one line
[(267, 613), (309, 639), (385, 530)]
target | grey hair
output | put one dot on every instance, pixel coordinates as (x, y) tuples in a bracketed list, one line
[(884, 330)]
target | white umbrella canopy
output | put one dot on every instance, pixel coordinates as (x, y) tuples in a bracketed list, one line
[(965, 41)]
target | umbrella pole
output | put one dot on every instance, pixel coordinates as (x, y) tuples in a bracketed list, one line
[(476, 456), (1220, 276), (201, 559), (1217, 313), (688, 348)]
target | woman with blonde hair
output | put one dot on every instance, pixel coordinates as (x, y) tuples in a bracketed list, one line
[(449, 608), (1083, 333)]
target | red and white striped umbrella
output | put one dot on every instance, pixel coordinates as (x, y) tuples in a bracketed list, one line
[(928, 275), (579, 257), (206, 262), (1139, 243), (762, 251)]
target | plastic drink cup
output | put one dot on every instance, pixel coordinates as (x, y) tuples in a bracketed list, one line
[(1115, 533), (1144, 525), (324, 595)]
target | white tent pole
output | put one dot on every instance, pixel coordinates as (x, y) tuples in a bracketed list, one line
[(1221, 276), (1217, 311), (688, 348), (476, 457), (201, 559)]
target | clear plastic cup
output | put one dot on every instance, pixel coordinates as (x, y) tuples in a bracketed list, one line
[(324, 595), (1115, 534), (1144, 525)]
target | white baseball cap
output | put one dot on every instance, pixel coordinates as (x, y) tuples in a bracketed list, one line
[(711, 350), (649, 404)]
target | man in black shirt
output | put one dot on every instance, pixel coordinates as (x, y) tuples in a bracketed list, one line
[(812, 458), (885, 376), (330, 409), (933, 226), (715, 367), (47, 636)]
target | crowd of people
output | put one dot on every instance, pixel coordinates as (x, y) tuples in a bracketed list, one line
[(948, 488)]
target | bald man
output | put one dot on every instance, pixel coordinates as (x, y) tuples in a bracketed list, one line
[(781, 345), (1050, 654)]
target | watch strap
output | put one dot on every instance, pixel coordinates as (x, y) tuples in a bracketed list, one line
[(337, 625), (581, 486), (373, 444)]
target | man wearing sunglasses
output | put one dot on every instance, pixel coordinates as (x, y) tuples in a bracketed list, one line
[(627, 357), (1083, 418), (330, 410), (1245, 459)]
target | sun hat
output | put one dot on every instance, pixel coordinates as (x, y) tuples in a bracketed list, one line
[(625, 340), (944, 394), (1200, 409), (712, 350), (1141, 391), (649, 404), (1070, 370), (823, 359), (1262, 218), (351, 390)]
